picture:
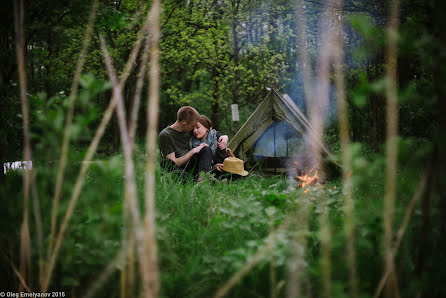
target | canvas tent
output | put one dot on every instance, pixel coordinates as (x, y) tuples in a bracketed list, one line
[(275, 133)]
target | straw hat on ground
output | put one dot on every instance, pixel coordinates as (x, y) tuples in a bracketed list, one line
[(234, 165)]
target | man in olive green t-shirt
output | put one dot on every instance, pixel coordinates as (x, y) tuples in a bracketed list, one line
[(174, 144)]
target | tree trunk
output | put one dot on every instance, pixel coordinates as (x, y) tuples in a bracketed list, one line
[(116, 138), (425, 232), (236, 46), (215, 101), (48, 77)]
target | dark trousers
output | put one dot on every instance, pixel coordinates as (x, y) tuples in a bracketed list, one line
[(204, 160), (220, 156), (199, 162)]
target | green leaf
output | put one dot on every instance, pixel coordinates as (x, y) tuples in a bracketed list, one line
[(86, 80), (359, 100)]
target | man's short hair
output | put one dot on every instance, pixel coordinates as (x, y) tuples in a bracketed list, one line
[(188, 114)]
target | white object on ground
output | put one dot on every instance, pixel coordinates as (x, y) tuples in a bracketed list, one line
[(17, 165)]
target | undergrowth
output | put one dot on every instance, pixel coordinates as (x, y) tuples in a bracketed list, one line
[(207, 231)]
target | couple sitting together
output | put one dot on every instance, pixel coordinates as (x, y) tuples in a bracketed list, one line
[(193, 146)]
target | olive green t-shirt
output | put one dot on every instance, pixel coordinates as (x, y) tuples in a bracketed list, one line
[(170, 140)]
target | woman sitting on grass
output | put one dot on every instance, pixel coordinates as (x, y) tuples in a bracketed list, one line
[(204, 133), (223, 160)]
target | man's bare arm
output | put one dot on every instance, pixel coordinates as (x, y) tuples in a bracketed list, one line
[(181, 161)]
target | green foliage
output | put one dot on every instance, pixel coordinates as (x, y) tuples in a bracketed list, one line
[(48, 117), (205, 66), (373, 36), (215, 53), (207, 232)]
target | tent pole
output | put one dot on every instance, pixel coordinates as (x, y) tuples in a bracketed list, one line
[(286, 138), (274, 138), (275, 155)]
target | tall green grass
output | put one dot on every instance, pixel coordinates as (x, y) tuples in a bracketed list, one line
[(206, 232)]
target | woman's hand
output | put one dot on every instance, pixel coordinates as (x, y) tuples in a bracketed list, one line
[(218, 166), (198, 149), (222, 142)]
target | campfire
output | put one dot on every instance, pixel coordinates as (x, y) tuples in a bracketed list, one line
[(306, 179)]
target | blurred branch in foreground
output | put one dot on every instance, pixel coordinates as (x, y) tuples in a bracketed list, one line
[(25, 241), (347, 186), (391, 148), (151, 148)]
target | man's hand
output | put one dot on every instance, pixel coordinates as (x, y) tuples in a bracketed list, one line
[(181, 161), (222, 142), (198, 149)]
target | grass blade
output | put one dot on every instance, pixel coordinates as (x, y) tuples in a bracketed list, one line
[(25, 244), (151, 147), (347, 188), (391, 147), (400, 234), (137, 97)]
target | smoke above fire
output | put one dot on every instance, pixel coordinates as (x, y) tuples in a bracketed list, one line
[(302, 37)]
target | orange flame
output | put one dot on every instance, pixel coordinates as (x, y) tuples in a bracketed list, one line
[(308, 180)]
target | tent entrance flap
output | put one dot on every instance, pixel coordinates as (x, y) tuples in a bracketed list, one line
[(258, 133), (278, 140)]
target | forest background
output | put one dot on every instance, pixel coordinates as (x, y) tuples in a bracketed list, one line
[(217, 53)]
